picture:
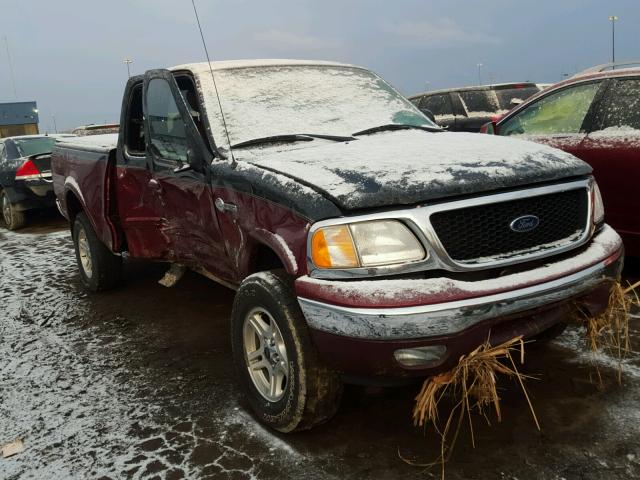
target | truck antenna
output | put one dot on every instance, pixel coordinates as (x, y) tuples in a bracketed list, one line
[(206, 51)]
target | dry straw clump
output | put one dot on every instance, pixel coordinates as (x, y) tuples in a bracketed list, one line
[(473, 382), (609, 331)]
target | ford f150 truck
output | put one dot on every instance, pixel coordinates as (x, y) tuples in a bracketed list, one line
[(364, 244)]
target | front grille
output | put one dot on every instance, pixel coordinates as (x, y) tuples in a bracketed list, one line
[(473, 233)]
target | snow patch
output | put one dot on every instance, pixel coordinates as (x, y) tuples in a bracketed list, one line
[(287, 251), (264, 99)]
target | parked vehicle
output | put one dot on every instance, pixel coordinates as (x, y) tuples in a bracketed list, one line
[(596, 117), (467, 109), (365, 244), (25, 176), (96, 129)]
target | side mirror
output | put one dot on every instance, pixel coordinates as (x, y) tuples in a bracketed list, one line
[(194, 162), (490, 127), (429, 114), (515, 102)]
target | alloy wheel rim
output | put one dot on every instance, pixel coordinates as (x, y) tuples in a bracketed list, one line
[(265, 354), (84, 253)]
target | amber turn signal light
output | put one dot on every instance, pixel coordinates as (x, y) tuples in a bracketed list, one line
[(332, 247)]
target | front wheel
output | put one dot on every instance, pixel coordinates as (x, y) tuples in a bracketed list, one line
[(99, 268), (287, 386), (13, 218)]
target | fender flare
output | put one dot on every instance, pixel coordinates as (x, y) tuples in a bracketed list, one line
[(279, 246), (71, 186)]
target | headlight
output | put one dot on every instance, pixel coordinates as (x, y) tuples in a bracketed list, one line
[(365, 244), (598, 206)]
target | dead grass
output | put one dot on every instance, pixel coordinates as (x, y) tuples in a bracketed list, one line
[(473, 384), (608, 332)]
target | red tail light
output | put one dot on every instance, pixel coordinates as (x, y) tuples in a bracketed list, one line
[(27, 170)]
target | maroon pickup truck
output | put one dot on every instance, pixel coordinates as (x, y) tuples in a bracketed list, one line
[(365, 244)]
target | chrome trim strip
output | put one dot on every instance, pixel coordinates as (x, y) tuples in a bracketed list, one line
[(37, 176), (418, 220), (444, 318)]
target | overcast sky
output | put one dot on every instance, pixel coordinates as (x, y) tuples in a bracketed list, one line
[(67, 54)]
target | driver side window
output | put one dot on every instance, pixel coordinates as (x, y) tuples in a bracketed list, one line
[(560, 112), (167, 133)]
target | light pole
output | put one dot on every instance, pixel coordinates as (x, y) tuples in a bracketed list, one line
[(128, 62), (55, 126), (612, 19), (479, 74)]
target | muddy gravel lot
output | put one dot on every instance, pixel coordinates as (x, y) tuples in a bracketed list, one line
[(139, 383)]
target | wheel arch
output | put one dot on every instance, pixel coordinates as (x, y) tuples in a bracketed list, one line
[(270, 251), (73, 205)]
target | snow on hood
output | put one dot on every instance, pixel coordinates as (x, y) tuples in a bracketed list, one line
[(413, 166)]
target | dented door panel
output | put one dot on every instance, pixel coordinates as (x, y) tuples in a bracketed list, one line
[(141, 215)]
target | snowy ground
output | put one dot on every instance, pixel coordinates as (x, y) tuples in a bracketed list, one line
[(138, 383)]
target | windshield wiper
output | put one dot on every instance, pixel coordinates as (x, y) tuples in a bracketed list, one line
[(397, 126), (290, 138)]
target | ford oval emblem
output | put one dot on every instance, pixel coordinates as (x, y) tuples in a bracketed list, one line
[(525, 223)]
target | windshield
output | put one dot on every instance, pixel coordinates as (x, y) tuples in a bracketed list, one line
[(34, 146), (266, 101)]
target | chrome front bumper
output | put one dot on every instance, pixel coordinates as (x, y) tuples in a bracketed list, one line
[(599, 263)]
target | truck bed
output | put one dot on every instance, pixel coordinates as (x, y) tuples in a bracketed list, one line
[(82, 169)]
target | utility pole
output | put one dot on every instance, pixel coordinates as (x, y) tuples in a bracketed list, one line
[(479, 74), (11, 72), (55, 126), (128, 62), (613, 20)]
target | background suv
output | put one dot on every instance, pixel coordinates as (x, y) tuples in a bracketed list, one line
[(467, 109)]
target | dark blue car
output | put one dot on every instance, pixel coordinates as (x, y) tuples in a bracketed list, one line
[(25, 176)]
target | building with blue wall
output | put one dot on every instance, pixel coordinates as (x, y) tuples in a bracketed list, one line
[(18, 118)]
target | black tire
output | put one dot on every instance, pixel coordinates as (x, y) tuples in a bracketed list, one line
[(105, 268), (13, 219), (312, 392)]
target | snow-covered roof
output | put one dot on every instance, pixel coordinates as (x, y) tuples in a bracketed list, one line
[(39, 135), (271, 62), (493, 86)]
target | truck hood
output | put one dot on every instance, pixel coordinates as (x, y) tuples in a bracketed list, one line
[(413, 166)]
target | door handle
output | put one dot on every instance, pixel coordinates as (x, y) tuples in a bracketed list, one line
[(224, 207)]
